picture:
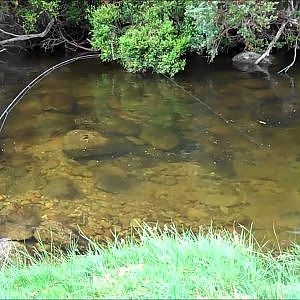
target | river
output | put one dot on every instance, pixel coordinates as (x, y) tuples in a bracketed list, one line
[(215, 144)]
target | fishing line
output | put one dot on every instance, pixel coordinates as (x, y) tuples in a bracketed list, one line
[(219, 115), (19, 97)]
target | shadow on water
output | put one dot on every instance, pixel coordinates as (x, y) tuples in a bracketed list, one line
[(94, 146)]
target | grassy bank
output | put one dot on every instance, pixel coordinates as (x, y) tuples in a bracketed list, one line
[(162, 265)]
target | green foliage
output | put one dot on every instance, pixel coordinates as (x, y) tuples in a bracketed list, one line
[(29, 19), (36, 11), (217, 23), (44, 6), (141, 35), (204, 27), (156, 45), (75, 11), (105, 30), (251, 19), (155, 35)]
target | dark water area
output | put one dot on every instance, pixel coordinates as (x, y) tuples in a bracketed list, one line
[(96, 147)]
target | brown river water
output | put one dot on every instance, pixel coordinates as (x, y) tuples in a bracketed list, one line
[(94, 147)]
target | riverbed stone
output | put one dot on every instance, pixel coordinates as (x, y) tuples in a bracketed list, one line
[(59, 102), (18, 222), (61, 188), (51, 124), (26, 215), (111, 179), (54, 232), (220, 200), (116, 125), (16, 232), (88, 144), (195, 213), (160, 138)]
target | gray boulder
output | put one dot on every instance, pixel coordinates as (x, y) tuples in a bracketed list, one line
[(249, 57)]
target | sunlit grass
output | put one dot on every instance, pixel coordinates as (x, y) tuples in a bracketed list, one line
[(160, 264)]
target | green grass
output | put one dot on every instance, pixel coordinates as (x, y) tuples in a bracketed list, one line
[(162, 264)]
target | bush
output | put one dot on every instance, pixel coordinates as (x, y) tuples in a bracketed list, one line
[(37, 11), (156, 47), (218, 24), (141, 36), (104, 30)]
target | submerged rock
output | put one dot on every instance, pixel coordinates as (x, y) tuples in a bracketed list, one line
[(18, 222), (111, 179), (62, 103), (16, 232), (61, 188), (50, 124), (198, 214), (121, 126), (220, 200), (160, 138), (88, 144)]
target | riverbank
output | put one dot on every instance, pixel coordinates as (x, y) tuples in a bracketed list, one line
[(130, 32), (163, 264)]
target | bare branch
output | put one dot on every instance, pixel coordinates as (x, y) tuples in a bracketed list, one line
[(294, 59), (75, 44), (8, 33), (29, 36), (290, 10), (271, 45)]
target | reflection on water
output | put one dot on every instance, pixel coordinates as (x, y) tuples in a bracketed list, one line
[(97, 147)]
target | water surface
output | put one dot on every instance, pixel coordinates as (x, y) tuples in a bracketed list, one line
[(173, 159)]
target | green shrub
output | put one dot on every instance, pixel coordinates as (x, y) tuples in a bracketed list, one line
[(37, 10), (75, 11), (203, 19), (105, 30), (141, 35), (156, 47), (217, 24)]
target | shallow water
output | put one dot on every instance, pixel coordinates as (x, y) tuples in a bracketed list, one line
[(172, 159)]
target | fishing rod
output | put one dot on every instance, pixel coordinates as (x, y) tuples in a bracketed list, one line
[(219, 115), (37, 79)]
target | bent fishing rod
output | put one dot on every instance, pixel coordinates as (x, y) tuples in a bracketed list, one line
[(24, 91)]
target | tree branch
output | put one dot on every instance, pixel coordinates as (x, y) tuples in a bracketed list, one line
[(290, 10), (8, 33), (271, 45), (294, 59), (29, 36), (75, 44)]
